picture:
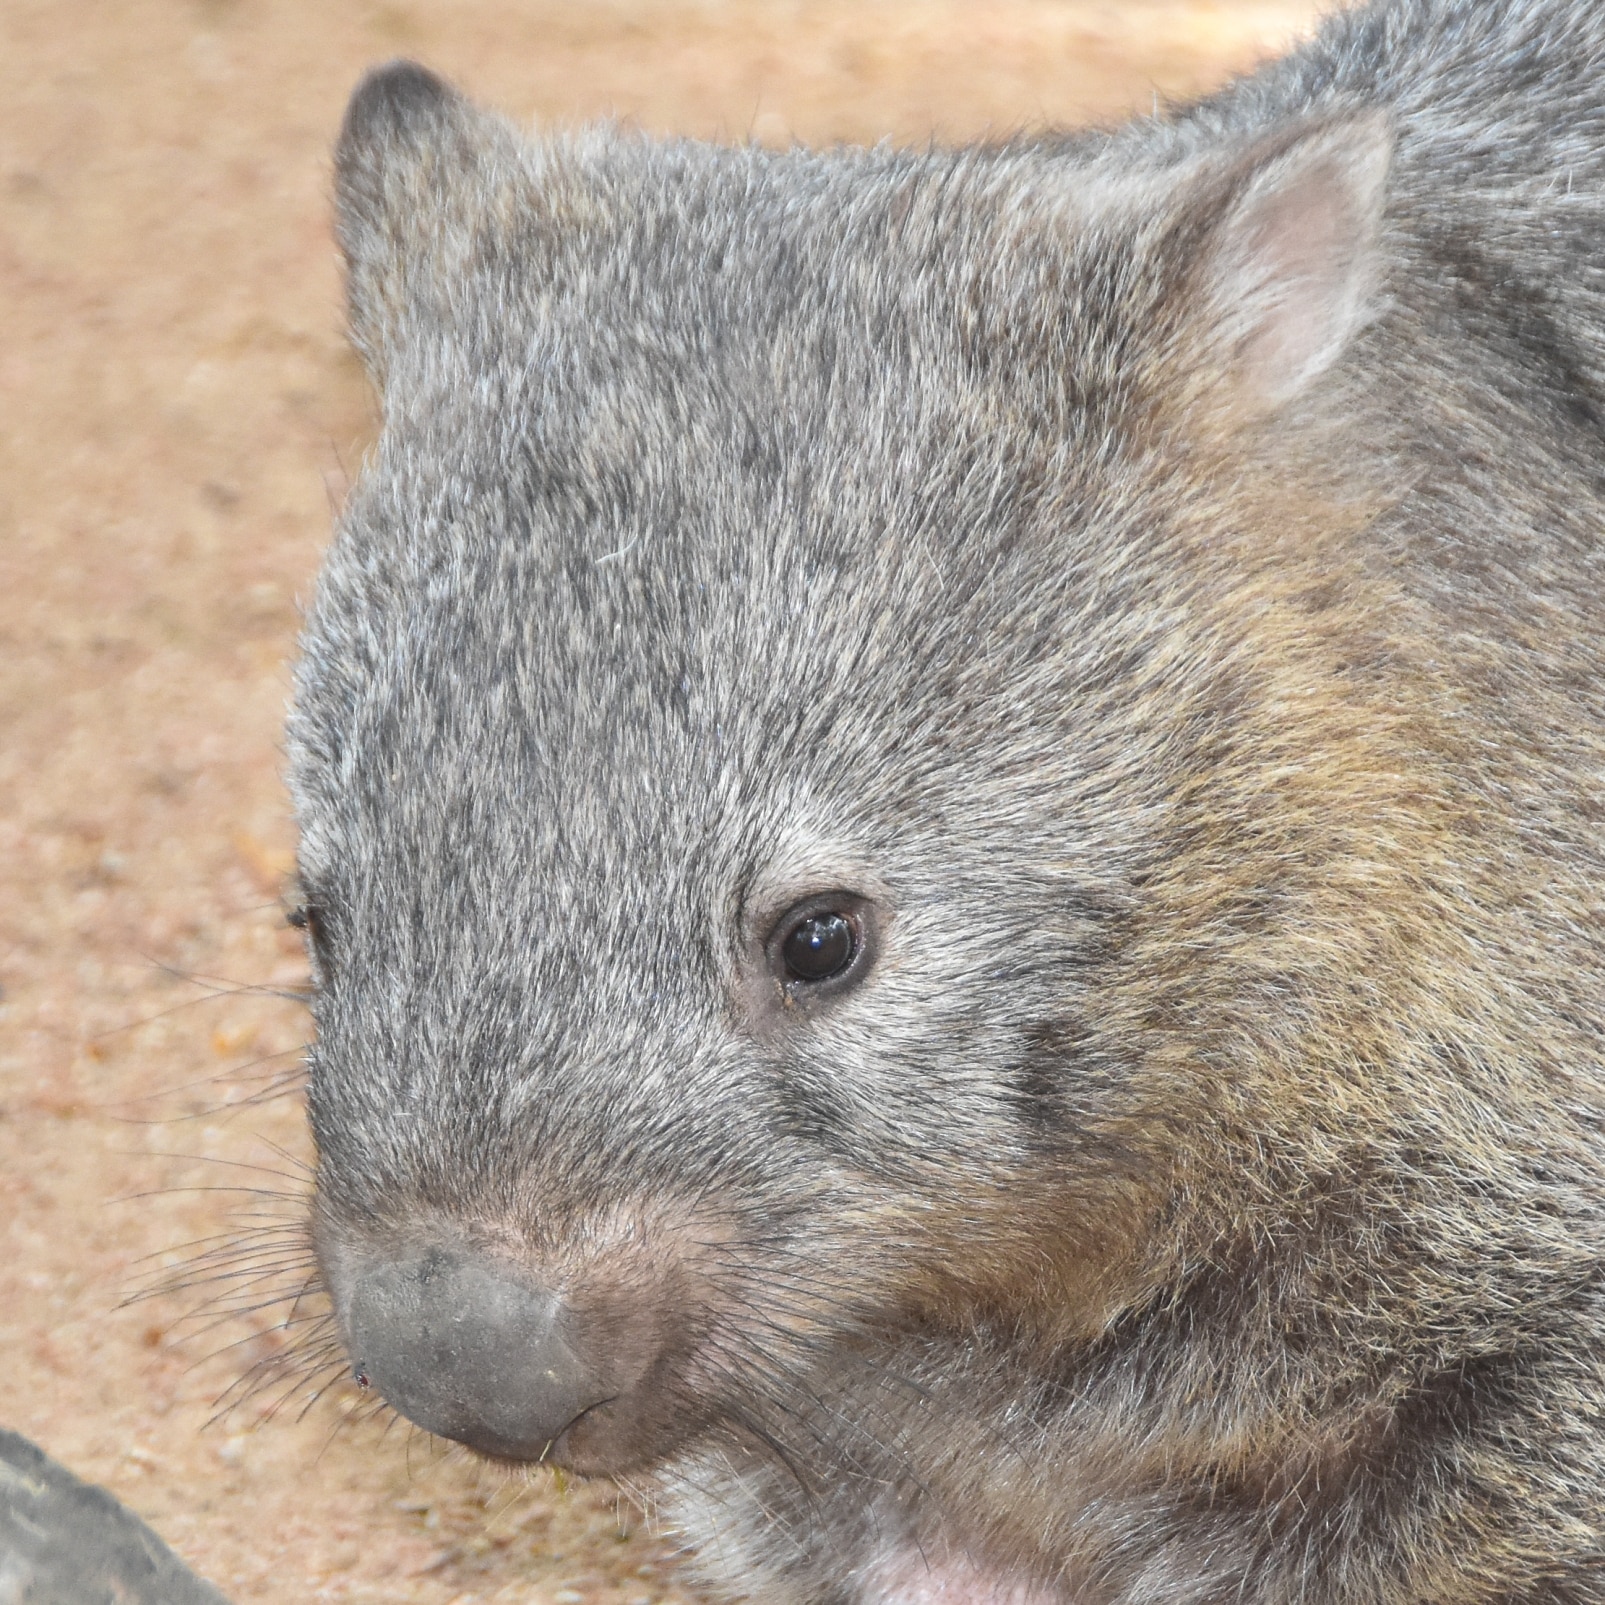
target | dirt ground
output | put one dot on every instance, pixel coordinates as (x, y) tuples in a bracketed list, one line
[(178, 417)]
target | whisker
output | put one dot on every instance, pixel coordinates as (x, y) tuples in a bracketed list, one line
[(271, 1225), (224, 987), (164, 1192), (215, 995), (222, 1265), (201, 1081)]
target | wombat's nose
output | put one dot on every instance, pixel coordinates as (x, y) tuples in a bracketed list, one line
[(466, 1350)]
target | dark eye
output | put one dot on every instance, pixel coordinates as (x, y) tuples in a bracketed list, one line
[(821, 944), (309, 918), (818, 947)]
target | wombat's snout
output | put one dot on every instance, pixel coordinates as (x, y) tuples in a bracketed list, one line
[(466, 1349)]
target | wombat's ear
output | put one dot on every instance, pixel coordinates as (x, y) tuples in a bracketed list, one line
[(1286, 270), (402, 172)]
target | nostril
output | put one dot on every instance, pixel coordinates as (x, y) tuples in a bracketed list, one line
[(467, 1350)]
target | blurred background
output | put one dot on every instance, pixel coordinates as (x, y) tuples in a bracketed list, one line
[(178, 420)]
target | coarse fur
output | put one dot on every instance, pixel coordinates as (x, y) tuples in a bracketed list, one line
[(1160, 575)]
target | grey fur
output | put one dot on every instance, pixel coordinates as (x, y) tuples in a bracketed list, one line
[(1161, 574), (66, 1542)]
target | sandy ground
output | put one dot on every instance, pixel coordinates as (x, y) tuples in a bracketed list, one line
[(178, 416)]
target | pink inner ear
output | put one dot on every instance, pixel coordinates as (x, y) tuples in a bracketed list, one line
[(1293, 265)]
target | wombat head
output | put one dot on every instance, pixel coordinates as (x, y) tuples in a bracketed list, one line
[(789, 746)]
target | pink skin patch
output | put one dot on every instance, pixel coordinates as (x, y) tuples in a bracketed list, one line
[(909, 1578)]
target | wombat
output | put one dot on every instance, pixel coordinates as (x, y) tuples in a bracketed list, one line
[(952, 823)]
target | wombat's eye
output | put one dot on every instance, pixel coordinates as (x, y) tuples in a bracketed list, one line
[(309, 918), (819, 940), (818, 947)]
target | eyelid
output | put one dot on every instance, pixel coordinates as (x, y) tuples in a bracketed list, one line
[(783, 889), (835, 900)]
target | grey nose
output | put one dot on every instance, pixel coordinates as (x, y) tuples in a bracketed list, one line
[(468, 1351)]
